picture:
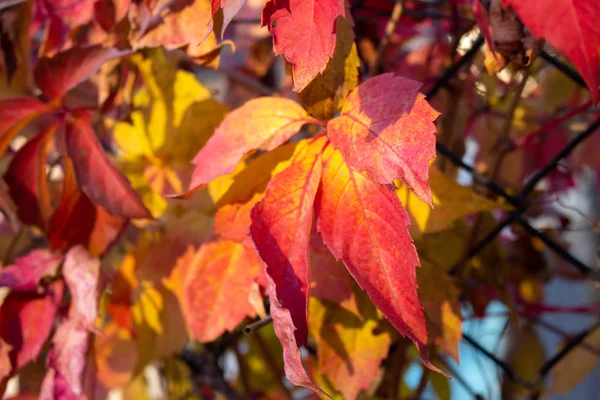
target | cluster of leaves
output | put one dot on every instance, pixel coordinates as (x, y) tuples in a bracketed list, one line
[(148, 218)]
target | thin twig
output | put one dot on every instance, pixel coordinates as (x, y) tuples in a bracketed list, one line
[(253, 327), (385, 40)]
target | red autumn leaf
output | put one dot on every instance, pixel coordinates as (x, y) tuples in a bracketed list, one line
[(571, 27), (263, 123), (284, 330), (386, 130), (73, 12), (15, 113), (26, 320), (77, 220), (280, 230), (27, 183), (56, 75), (363, 224), (27, 272), (304, 32), (216, 288), (230, 9), (67, 360), (96, 177), (82, 271)]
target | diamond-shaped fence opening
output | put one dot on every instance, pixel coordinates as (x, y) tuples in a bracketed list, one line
[(519, 201)]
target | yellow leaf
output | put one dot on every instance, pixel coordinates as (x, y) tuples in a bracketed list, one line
[(137, 389), (451, 201), (148, 306), (576, 366), (326, 93), (349, 348), (440, 302), (175, 115), (178, 379), (525, 356)]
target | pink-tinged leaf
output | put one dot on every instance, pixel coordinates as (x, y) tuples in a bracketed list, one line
[(263, 123), (15, 113), (386, 129), (364, 224), (26, 320), (96, 176), (27, 183), (27, 272), (56, 387), (230, 9), (284, 330), (82, 271), (57, 75), (67, 362), (280, 230), (304, 32), (73, 12), (217, 287), (571, 26)]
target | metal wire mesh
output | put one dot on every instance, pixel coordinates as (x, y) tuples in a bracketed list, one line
[(516, 217)]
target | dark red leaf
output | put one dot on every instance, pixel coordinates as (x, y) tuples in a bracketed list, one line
[(57, 75), (26, 320), (96, 177), (27, 183), (77, 220)]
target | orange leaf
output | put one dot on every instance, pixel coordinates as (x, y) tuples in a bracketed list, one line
[(263, 123), (363, 223), (386, 129), (280, 230), (217, 287)]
